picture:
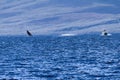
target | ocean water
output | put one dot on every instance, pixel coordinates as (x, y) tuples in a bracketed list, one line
[(85, 57)]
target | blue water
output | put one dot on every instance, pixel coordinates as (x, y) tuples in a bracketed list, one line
[(85, 57)]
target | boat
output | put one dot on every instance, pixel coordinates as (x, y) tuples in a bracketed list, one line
[(105, 33), (67, 34)]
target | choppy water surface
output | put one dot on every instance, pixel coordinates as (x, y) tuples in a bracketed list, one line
[(86, 57)]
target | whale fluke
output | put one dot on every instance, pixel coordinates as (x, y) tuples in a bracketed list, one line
[(28, 32)]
